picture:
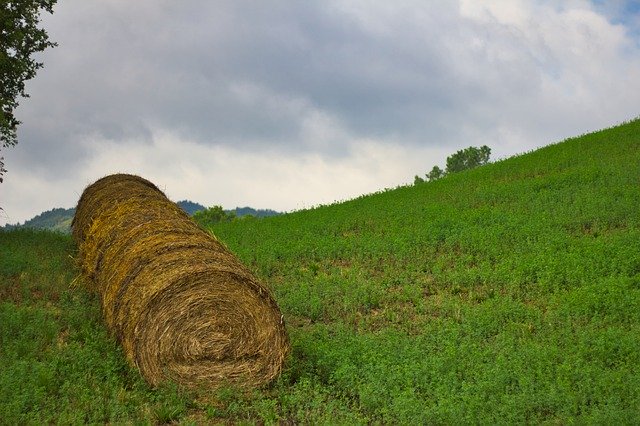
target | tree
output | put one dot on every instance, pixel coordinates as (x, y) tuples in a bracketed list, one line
[(435, 173), (20, 38), (468, 158), (212, 215), (417, 180)]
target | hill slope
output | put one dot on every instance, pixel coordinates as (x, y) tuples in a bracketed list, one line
[(56, 219), (509, 292), (505, 294)]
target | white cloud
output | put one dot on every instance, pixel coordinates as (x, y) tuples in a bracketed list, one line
[(222, 175)]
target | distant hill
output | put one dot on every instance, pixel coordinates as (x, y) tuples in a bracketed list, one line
[(190, 207), (245, 211), (59, 219)]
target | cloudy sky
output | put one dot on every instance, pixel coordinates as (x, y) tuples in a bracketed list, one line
[(290, 104)]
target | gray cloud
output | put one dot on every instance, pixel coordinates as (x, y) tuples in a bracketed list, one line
[(247, 74), (305, 79)]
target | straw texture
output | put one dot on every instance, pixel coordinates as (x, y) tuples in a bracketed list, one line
[(180, 303)]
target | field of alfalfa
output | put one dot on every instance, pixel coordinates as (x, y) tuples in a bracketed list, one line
[(505, 294)]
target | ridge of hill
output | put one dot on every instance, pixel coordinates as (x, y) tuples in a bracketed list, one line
[(505, 294), (190, 207), (59, 219)]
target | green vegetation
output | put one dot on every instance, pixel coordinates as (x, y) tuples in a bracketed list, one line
[(435, 174), (212, 215), (464, 159), (509, 293)]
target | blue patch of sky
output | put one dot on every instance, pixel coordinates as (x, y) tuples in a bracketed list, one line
[(622, 12)]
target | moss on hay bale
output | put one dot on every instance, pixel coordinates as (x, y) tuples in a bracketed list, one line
[(180, 303)]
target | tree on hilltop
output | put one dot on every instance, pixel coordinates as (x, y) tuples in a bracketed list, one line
[(435, 173), (20, 38), (468, 158), (464, 159)]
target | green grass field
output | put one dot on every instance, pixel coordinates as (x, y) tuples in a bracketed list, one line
[(505, 294)]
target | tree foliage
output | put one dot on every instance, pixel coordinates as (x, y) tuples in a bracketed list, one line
[(435, 173), (212, 215), (20, 38), (464, 159), (468, 158)]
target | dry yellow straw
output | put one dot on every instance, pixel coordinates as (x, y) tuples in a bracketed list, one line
[(182, 306)]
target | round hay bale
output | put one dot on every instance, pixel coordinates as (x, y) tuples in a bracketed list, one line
[(180, 303)]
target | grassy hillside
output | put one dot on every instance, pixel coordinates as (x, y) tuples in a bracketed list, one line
[(510, 292), (505, 294)]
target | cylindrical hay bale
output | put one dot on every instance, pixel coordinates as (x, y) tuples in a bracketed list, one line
[(180, 303)]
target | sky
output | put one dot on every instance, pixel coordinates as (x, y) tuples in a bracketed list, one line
[(287, 105)]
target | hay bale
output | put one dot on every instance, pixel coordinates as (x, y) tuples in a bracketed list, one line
[(182, 306)]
